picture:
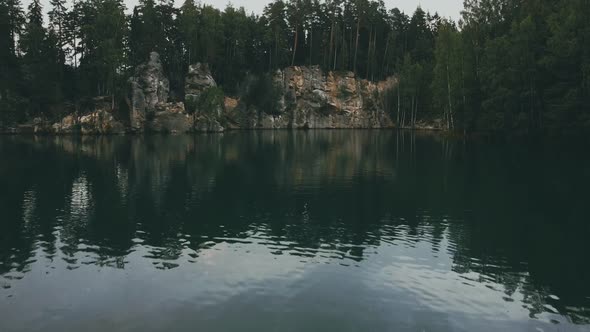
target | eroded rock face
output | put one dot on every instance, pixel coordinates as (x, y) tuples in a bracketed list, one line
[(147, 88), (198, 79), (313, 99), (149, 108), (40, 126), (208, 125), (335, 100), (100, 122), (170, 118), (230, 104), (308, 98), (67, 125)]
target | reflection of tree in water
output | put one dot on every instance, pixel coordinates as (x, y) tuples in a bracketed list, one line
[(302, 193)]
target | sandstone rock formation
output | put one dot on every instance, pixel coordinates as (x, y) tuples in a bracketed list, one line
[(148, 87), (312, 99), (198, 79), (170, 118), (202, 98), (207, 124), (148, 101), (307, 98), (67, 125), (100, 122), (207, 113)]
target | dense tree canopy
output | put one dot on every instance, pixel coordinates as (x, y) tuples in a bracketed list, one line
[(505, 65)]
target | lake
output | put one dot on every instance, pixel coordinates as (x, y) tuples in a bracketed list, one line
[(320, 230)]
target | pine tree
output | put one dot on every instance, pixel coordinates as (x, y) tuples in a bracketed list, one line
[(34, 46), (11, 23), (447, 72)]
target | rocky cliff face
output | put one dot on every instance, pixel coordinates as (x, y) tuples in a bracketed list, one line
[(198, 79), (148, 101), (98, 122), (198, 84), (307, 98), (312, 99)]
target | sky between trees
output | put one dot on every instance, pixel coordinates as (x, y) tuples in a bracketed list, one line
[(445, 8)]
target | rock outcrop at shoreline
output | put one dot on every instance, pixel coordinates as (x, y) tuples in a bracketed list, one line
[(149, 107), (306, 98), (200, 91), (312, 99), (148, 88), (100, 120), (198, 79)]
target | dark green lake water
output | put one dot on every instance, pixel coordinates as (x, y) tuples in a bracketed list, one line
[(293, 231)]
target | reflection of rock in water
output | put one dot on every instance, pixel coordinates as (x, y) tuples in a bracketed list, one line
[(296, 157), (29, 206), (323, 196), (80, 200), (122, 180)]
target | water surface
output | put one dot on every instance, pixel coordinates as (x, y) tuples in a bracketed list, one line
[(293, 231)]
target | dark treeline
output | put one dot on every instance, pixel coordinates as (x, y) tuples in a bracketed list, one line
[(505, 65)]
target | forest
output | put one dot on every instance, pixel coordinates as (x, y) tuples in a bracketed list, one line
[(504, 65)]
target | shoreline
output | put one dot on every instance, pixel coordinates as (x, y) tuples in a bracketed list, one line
[(154, 133), (550, 132)]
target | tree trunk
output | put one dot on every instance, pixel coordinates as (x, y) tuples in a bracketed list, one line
[(311, 46), (416, 107), (277, 48), (350, 45), (374, 60), (463, 93), (404, 117), (369, 52), (398, 104), (295, 45), (412, 113), (335, 55), (356, 47), (270, 59), (383, 68), (449, 94), (331, 44)]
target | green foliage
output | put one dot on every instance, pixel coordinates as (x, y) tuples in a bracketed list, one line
[(506, 65), (37, 62), (12, 18), (262, 93), (446, 85), (100, 47), (210, 100), (567, 62), (11, 111)]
